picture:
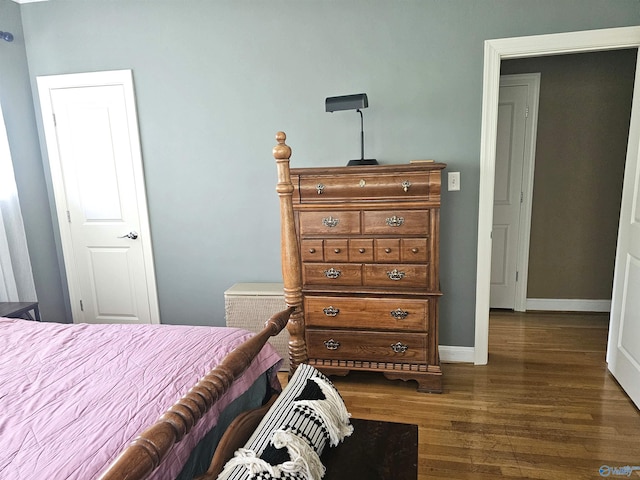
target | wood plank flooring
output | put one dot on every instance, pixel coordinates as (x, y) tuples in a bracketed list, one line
[(544, 407)]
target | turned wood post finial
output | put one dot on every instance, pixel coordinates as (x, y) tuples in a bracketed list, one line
[(281, 151)]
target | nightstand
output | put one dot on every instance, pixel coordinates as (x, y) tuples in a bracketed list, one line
[(20, 310)]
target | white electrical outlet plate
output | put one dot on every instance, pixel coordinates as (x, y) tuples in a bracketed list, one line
[(454, 181)]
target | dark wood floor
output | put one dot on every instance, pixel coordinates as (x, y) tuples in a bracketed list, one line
[(544, 407)]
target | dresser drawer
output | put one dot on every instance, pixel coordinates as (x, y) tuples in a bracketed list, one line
[(330, 223), (367, 313), (332, 274), (414, 250), (368, 346), (312, 250), (336, 250), (387, 250), (364, 186), (398, 222), (396, 275), (361, 250)]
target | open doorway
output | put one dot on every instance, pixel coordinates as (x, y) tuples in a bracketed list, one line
[(495, 52), (580, 153)]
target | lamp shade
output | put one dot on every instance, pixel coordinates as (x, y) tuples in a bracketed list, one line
[(346, 102)]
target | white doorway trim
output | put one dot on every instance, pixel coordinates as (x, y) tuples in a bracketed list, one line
[(494, 52)]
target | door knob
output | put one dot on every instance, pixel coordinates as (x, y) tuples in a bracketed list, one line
[(132, 235)]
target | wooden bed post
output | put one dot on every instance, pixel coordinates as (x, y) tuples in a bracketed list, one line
[(291, 265)]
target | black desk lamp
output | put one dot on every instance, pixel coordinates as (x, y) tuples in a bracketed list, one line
[(352, 102)]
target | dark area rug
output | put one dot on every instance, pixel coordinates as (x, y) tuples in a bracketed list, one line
[(375, 451)]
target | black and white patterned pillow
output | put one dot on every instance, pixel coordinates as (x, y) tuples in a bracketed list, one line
[(308, 415)]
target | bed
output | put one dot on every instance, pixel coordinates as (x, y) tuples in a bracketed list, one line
[(73, 396), (119, 402)]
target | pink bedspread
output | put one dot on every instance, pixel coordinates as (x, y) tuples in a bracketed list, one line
[(71, 396)]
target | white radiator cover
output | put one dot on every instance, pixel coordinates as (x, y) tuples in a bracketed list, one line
[(249, 306)]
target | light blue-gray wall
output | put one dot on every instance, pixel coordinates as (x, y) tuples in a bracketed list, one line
[(216, 79)]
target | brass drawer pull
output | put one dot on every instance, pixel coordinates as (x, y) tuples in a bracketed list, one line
[(397, 347), (332, 273), (330, 221), (331, 311), (395, 221), (399, 314), (331, 344), (312, 250), (320, 188), (395, 274), (387, 250), (336, 250), (405, 185), (361, 250)]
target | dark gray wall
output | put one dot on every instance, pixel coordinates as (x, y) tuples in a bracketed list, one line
[(216, 80), (583, 128)]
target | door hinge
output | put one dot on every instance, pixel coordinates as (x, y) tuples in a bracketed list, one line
[(521, 197), (81, 306), (517, 275), (526, 112), (68, 216), (55, 123)]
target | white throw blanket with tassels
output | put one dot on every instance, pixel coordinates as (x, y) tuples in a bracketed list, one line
[(330, 417)]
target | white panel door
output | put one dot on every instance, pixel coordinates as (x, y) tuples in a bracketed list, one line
[(510, 149), (94, 153), (623, 350)]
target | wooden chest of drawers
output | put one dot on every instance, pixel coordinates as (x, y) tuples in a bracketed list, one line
[(369, 245)]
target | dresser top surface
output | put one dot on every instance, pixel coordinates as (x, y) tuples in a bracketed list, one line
[(369, 169)]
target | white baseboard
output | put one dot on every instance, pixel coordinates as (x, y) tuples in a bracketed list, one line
[(568, 305), (449, 354)]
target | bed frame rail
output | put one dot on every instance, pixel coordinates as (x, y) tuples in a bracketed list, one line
[(148, 450)]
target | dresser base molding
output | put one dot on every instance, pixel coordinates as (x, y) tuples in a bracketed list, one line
[(429, 377)]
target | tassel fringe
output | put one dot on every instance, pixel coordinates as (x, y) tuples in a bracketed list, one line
[(332, 411), (304, 459)]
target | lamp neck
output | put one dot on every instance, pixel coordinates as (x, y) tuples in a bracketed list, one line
[(361, 133)]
